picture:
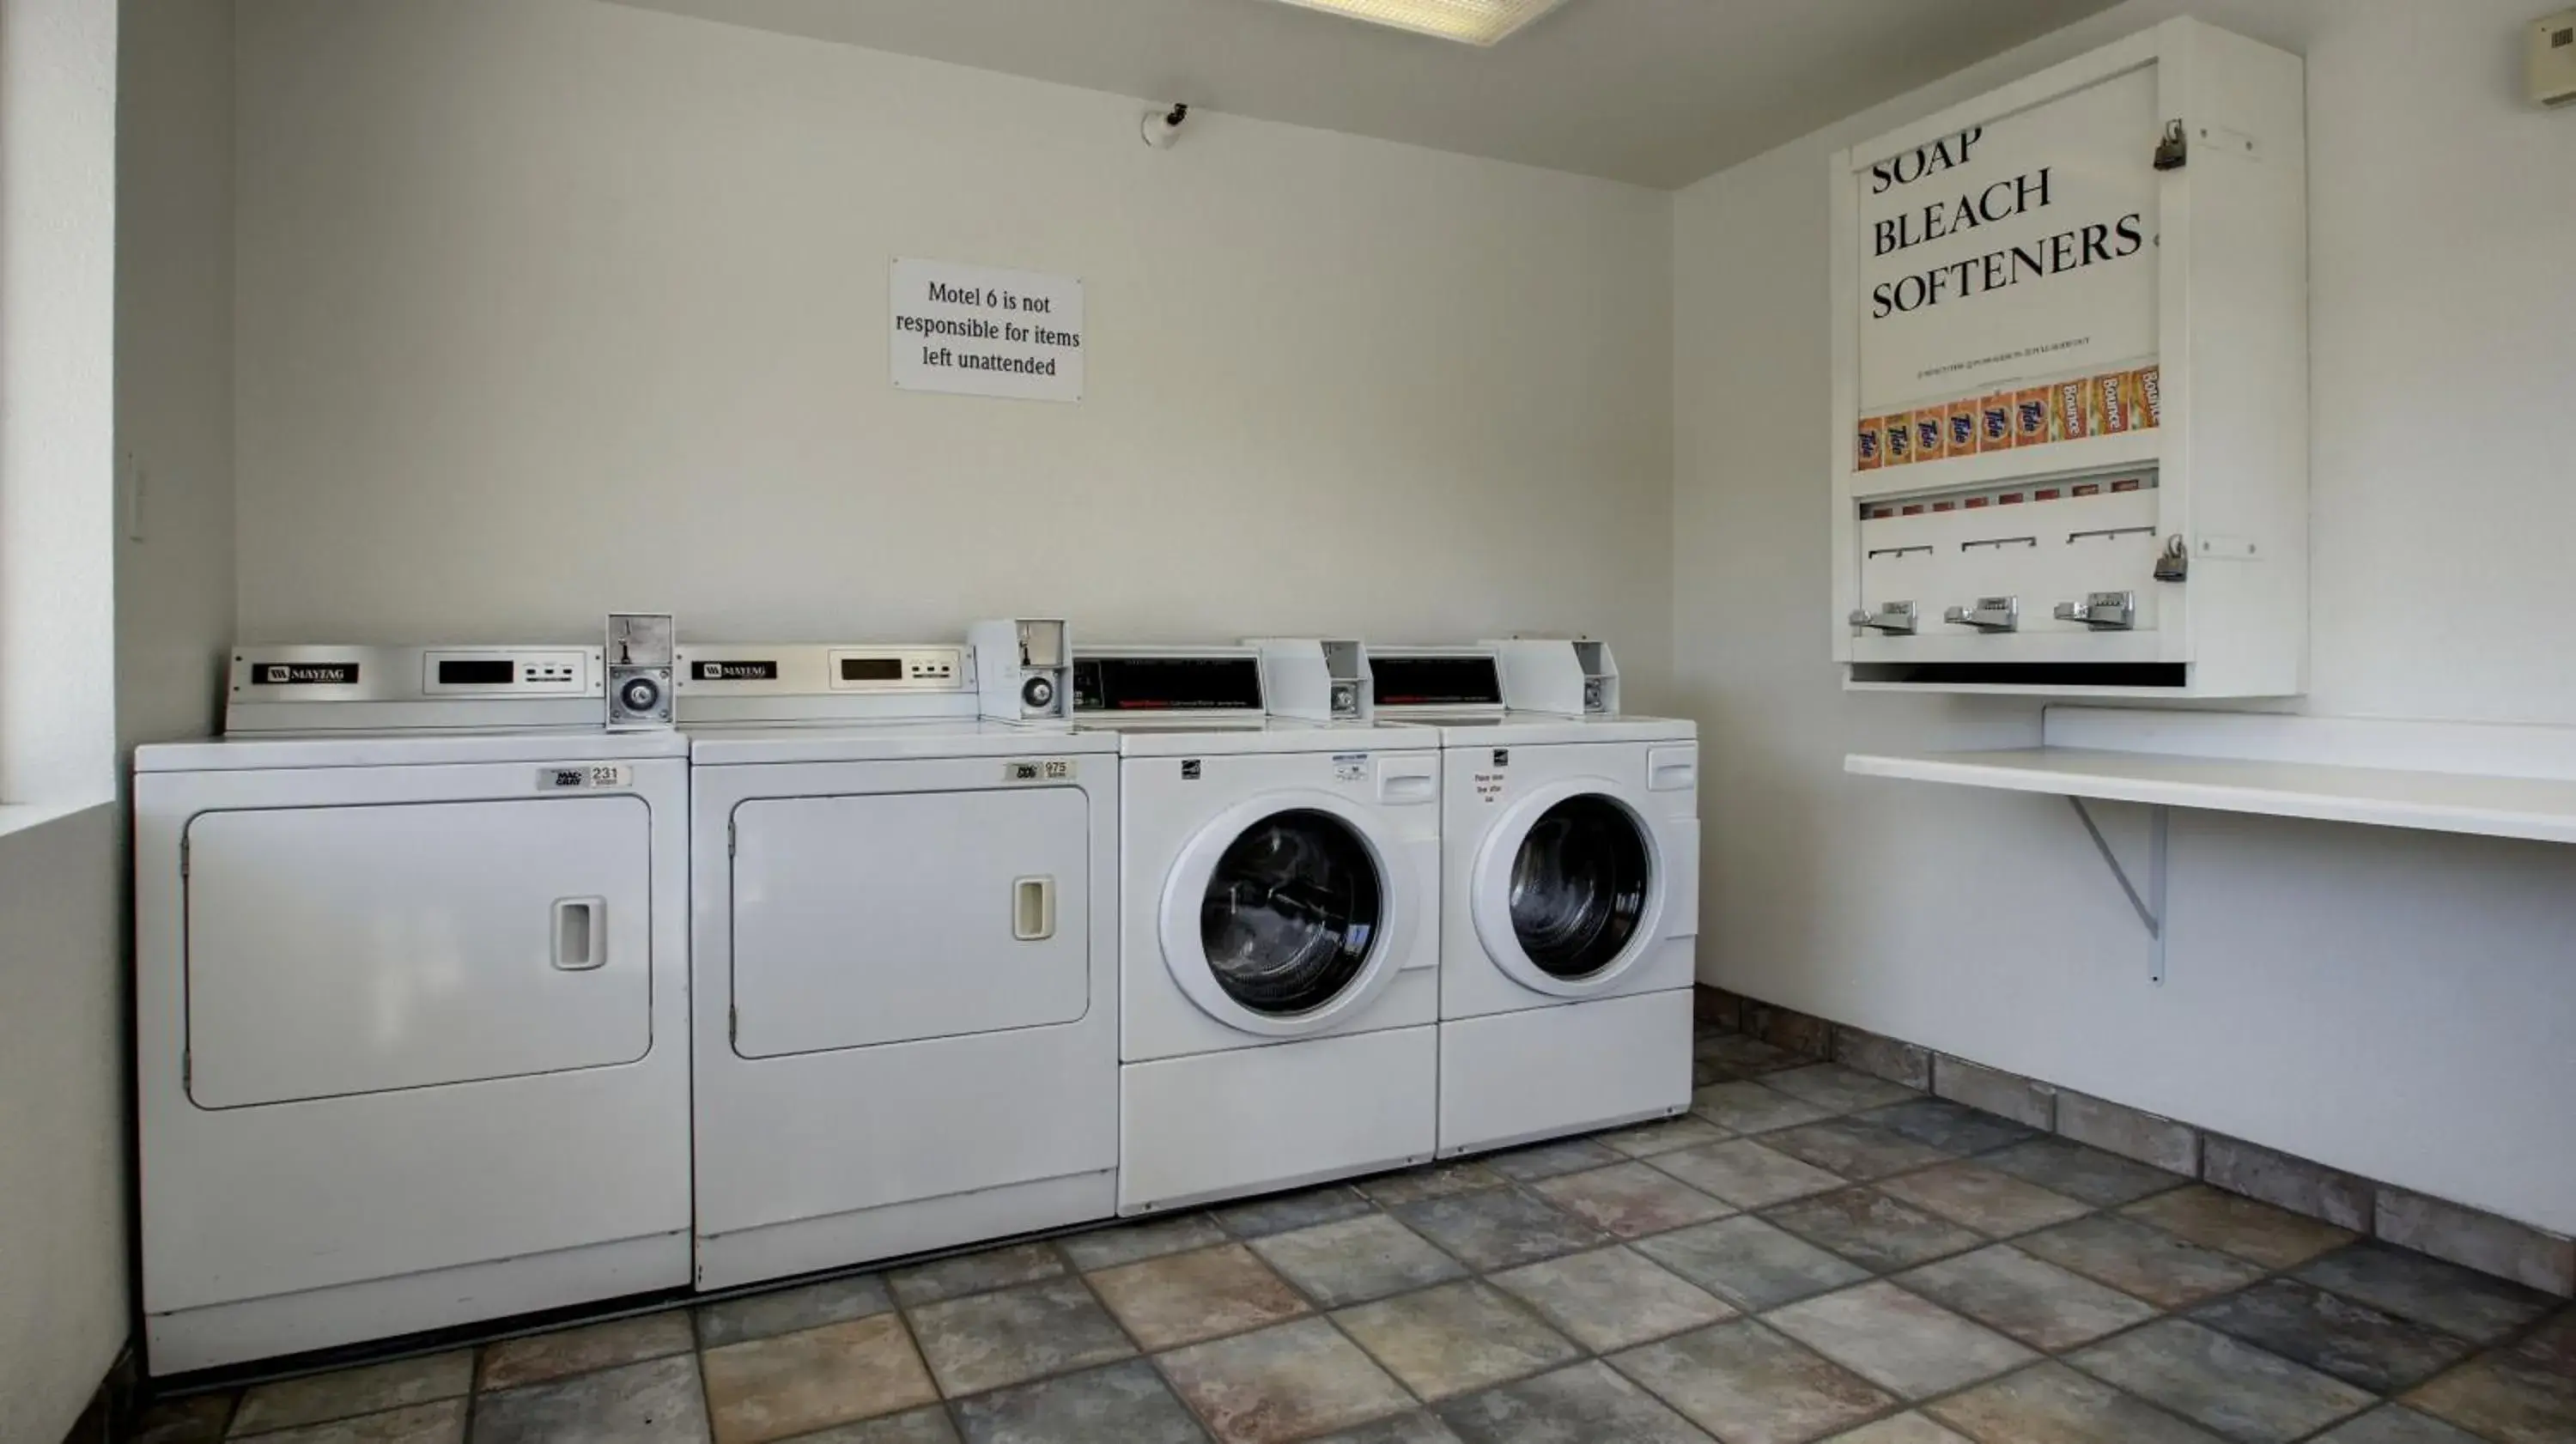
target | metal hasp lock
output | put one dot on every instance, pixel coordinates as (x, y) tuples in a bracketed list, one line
[(2172, 151), (2102, 611), (1989, 614), (1897, 618), (2173, 564)]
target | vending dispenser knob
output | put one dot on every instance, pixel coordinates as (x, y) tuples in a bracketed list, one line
[(1989, 614), (1895, 618), (1038, 693), (2102, 611)]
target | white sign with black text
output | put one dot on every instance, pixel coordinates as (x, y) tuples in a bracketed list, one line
[(2021, 249), (978, 331)]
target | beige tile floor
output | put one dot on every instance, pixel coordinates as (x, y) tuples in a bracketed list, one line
[(1813, 1255)]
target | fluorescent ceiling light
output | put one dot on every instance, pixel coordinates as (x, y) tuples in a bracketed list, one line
[(1477, 22)]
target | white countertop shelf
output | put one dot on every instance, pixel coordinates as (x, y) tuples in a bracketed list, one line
[(2432, 777)]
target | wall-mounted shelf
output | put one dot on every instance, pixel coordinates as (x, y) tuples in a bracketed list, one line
[(2483, 779)]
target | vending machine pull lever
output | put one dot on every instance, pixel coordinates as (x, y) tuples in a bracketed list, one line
[(1895, 618), (1989, 614), (2102, 611)]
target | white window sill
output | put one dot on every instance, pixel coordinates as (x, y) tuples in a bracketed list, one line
[(16, 818)]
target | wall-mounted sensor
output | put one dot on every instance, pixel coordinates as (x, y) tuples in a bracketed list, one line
[(2553, 59), (1162, 124)]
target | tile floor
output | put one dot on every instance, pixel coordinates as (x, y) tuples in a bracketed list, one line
[(1813, 1255)]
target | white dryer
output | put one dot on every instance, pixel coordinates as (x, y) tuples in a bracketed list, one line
[(411, 1002), (1569, 885), (905, 952), (1278, 931)]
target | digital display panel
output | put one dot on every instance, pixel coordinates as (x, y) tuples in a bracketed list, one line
[(478, 672), (1436, 681)]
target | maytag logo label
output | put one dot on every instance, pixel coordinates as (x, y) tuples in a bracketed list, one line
[(737, 671), (303, 674)]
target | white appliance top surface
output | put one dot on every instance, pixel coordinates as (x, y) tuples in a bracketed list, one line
[(843, 741), (407, 749), (1144, 737), (1535, 728)]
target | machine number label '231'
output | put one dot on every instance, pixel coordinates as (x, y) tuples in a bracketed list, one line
[(1038, 769), (585, 777)]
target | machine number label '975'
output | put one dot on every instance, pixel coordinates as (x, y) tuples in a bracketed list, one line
[(1038, 769), (585, 777)]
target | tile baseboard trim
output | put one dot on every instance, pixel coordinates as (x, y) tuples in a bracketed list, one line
[(2472, 1238)]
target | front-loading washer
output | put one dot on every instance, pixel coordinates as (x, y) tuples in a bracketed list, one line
[(905, 952), (411, 1000), (1279, 927), (1569, 887)]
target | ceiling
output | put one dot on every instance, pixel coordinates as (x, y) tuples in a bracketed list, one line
[(1659, 92)]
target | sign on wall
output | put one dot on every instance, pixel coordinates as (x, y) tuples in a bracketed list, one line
[(2020, 251), (978, 331)]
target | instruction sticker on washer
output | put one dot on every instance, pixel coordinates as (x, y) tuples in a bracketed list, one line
[(585, 777), (1489, 786), (1038, 769), (1350, 766)]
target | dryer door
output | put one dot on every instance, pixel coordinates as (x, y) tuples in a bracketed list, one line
[(1570, 887), (342, 950), (890, 917), (1281, 917)]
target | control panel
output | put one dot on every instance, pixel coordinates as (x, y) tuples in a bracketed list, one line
[(1316, 679), (770, 669), (303, 688), (640, 662), (1024, 669)]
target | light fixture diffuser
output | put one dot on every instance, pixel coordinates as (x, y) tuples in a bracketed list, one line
[(1476, 22)]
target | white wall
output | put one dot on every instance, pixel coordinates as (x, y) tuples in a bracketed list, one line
[(63, 1297), (57, 299), (546, 306), (174, 365), (2393, 1003)]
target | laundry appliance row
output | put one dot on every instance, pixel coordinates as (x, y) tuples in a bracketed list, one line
[(483, 981)]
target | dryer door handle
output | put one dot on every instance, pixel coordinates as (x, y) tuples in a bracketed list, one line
[(1033, 909), (580, 933)]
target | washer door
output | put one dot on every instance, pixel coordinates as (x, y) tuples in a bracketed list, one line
[(1280, 917), (1569, 888)]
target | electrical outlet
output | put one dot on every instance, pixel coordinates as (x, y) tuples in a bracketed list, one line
[(2553, 59)]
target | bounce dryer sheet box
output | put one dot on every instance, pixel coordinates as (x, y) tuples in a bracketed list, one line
[(1870, 443), (1962, 440), (2030, 416), (1995, 422), (2111, 402), (2069, 410), (2148, 380), (1929, 423)]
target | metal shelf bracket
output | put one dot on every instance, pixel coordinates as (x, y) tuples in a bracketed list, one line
[(2151, 907)]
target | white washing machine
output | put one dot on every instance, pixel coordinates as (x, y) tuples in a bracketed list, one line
[(905, 953), (411, 1002), (1569, 887), (1279, 931)]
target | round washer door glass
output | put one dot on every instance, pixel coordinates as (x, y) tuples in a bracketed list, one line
[(1579, 886), (1291, 912)]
